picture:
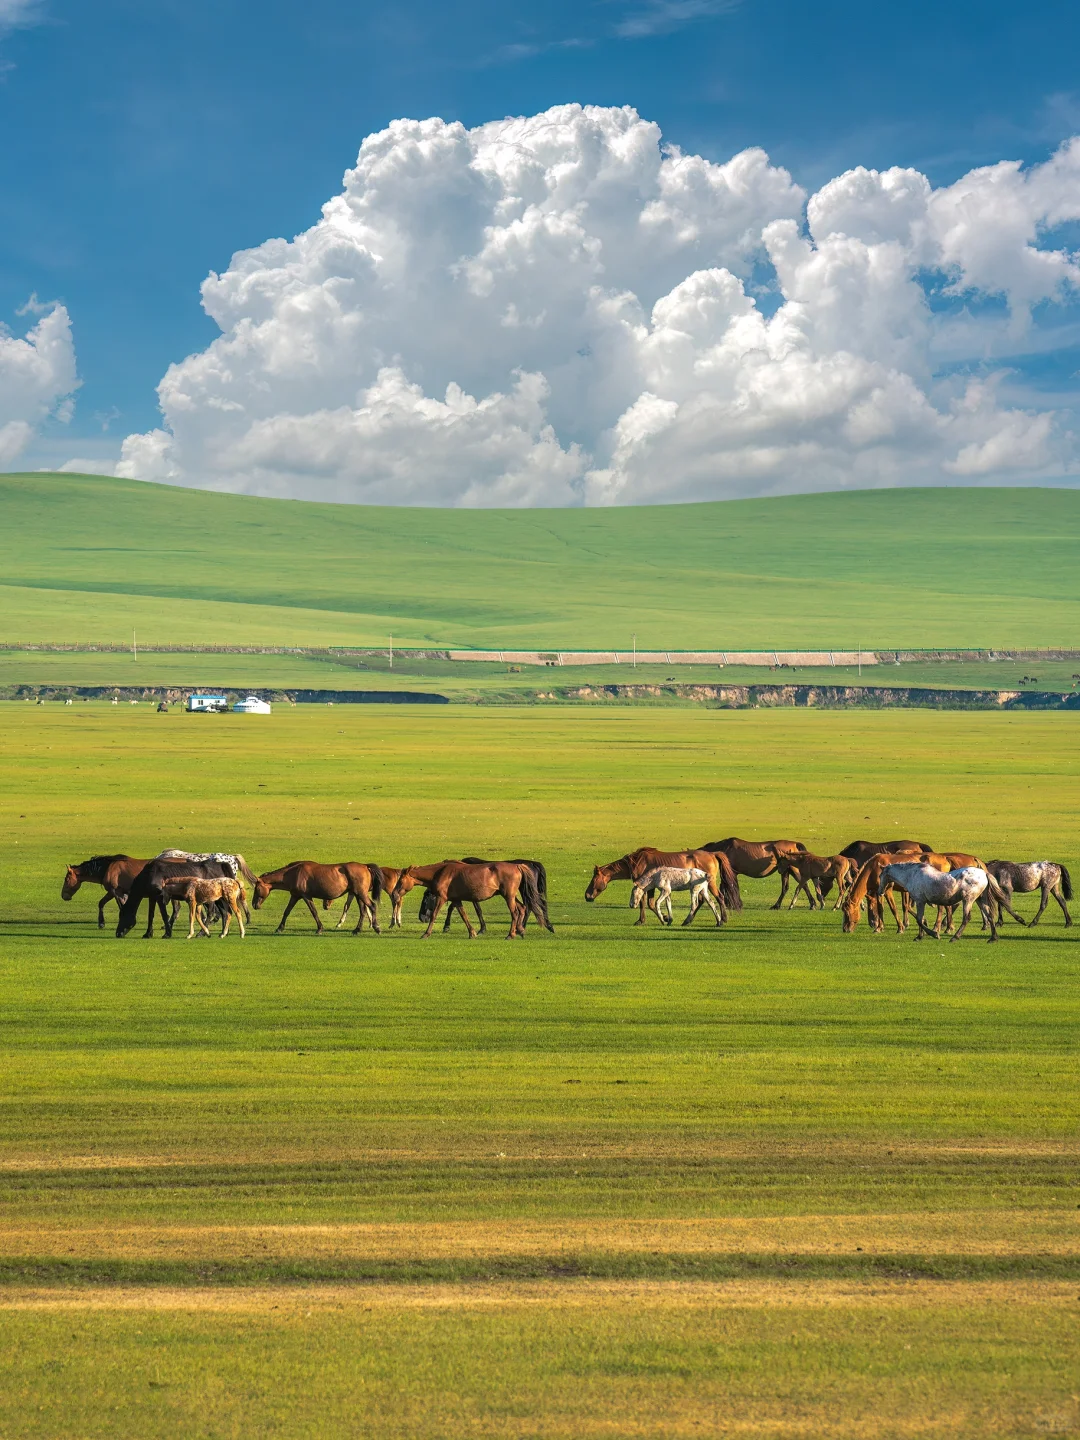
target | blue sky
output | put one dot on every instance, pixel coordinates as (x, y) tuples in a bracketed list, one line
[(147, 143)]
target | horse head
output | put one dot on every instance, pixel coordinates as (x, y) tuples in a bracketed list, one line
[(402, 885), (72, 881), (599, 882), (261, 891)]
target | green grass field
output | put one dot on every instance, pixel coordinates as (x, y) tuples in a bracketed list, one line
[(89, 558), (622, 1182), (472, 682)]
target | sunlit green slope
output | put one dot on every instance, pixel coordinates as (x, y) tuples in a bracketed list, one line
[(89, 558)]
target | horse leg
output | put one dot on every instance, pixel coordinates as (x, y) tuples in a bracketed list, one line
[(513, 904), (373, 915), (460, 908), (1044, 901), (234, 906), (439, 903), (293, 900), (109, 895), (1060, 898), (345, 911), (314, 914), (708, 899), (892, 906), (988, 908), (785, 880), (967, 903)]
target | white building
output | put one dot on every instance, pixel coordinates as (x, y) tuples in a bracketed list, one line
[(252, 706), (212, 703)]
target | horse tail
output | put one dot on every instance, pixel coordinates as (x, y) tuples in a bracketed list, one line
[(378, 883), (729, 883), (531, 895), (1066, 883), (246, 870), (539, 874)]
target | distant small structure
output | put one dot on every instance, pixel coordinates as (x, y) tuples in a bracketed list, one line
[(208, 704), (252, 706)]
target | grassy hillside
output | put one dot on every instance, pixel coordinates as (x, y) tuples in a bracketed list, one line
[(87, 558)]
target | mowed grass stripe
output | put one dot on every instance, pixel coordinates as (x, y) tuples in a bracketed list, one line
[(580, 1358), (962, 1232)]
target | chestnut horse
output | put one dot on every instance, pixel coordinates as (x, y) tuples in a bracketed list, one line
[(758, 859), (309, 881), (813, 869), (114, 873), (863, 850), (458, 882), (406, 880), (723, 885)]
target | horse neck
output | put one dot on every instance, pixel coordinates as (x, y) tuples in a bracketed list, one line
[(857, 894)]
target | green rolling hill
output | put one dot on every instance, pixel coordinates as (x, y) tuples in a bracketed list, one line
[(88, 558)]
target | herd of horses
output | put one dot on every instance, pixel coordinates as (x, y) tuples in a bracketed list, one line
[(870, 874)]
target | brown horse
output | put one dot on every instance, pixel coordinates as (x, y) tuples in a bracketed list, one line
[(456, 883), (723, 885), (390, 879), (114, 873), (810, 869), (758, 859), (309, 881), (863, 850), (413, 875)]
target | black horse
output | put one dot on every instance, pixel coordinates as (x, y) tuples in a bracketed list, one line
[(148, 886)]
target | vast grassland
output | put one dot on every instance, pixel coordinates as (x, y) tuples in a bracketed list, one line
[(86, 558), (616, 1181)]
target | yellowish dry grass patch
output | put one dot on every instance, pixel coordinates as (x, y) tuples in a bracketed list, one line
[(964, 1232)]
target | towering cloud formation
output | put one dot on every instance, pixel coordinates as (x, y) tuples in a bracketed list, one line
[(37, 378), (548, 310)]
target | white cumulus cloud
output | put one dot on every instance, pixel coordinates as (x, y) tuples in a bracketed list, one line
[(37, 378), (559, 309)]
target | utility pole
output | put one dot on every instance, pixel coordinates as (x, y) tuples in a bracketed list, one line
[(391, 650)]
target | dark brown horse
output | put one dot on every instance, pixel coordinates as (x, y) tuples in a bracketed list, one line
[(151, 884), (813, 870), (758, 859), (723, 885), (309, 881), (458, 883), (114, 873)]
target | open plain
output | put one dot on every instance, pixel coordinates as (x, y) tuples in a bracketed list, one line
[(765, 1180)]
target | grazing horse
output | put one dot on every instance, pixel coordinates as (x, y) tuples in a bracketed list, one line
[(758, 859), (457, 882), (151, 883), (227, 895), (807, 868), (868, 886), (1023, 879), (114, 873), (929, 886), (659, 883), (723, 885), (309, 881)]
